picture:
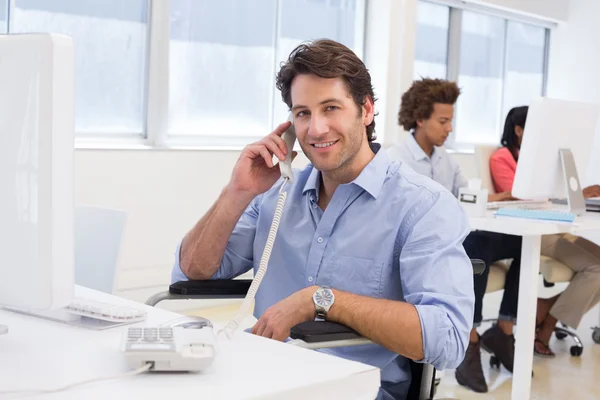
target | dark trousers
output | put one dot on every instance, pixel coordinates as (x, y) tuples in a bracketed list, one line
[(491, 247)]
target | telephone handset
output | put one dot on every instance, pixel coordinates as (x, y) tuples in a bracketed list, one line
[(289, 136), (286, 172)]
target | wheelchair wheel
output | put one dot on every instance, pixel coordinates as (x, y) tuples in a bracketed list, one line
[(576, 351), (560, 335), (596, 335)]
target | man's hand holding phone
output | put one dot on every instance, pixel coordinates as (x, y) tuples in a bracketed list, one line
[(255, 172)]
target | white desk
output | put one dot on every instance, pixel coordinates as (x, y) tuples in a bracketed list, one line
[(532, 232), (43, 354)]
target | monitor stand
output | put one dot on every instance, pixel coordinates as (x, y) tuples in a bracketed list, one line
[(3, 329), (575, 200)]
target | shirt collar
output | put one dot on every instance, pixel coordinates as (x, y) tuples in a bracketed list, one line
[(417, 152), (370, 179)]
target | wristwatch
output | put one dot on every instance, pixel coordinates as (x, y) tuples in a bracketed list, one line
[(323, 299)]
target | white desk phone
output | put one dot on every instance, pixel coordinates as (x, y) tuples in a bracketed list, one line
[(175, 348)]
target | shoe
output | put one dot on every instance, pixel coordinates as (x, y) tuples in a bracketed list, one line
[(496, 342), (470, 373)]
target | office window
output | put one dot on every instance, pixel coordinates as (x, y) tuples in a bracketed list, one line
[(498, 64), (334, 20), (221, 66), (480, 76), (525, 64), (3, 16), (224, 57), (431, 49), (110, 55)]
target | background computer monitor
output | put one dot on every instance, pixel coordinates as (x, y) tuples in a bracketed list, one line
[(36, 171), (553, 125)]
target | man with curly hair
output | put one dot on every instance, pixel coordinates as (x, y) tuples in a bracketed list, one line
[(426, 111)]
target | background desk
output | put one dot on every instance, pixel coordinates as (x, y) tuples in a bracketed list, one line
[(532, 232), (43, 354)]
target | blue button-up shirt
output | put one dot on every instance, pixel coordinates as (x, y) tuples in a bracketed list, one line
[(440, 166), (391, 233)]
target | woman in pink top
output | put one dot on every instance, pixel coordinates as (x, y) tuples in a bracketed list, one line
[(503, 163), (579, 254)]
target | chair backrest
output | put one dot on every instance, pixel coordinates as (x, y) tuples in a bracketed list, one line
[(482, 159), (98, 234)]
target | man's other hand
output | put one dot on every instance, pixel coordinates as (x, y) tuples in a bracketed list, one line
[(279, 319)]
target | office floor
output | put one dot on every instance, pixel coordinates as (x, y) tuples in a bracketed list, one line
[(562, 377)]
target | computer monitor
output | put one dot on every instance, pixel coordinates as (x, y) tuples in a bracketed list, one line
[(554, 125), (36, 171)]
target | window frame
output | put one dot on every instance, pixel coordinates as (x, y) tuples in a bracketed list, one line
[(155, 116), (92, 139), (156, 96), (454, 51), (162, 138)]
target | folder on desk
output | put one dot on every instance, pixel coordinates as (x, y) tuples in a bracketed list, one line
[(546, 215)]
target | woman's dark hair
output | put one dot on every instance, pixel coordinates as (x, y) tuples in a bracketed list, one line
[(515, 117)]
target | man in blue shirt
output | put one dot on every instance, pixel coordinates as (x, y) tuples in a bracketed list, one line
[(427, 111), (385, 240)]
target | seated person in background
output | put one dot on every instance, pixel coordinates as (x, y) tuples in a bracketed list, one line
[(426, 111), (579, 254), (385, 241)]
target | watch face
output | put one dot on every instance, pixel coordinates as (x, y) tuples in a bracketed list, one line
[(324, 298)]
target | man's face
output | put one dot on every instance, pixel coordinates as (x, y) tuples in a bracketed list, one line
[(437, 128), (329, 125)]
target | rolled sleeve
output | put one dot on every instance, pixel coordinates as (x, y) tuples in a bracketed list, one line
[(437, 278), (238, 256), (177, 274)]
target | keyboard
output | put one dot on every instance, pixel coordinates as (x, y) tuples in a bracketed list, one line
[(89, 314), (545, 215), (104, 311)]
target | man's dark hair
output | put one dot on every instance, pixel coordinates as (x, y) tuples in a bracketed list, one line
[(417, 102), (515, 117), (328, 59)]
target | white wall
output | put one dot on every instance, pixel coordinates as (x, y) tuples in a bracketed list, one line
[(164, 192), (575, 64)]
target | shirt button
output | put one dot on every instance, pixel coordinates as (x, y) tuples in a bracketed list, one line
[(314, 205), (310, 278), (320, 240)]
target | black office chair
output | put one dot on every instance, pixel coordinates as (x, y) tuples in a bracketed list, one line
[(423, 383)]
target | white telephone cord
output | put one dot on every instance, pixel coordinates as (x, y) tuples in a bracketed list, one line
[(234, 324), (138, 371)]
